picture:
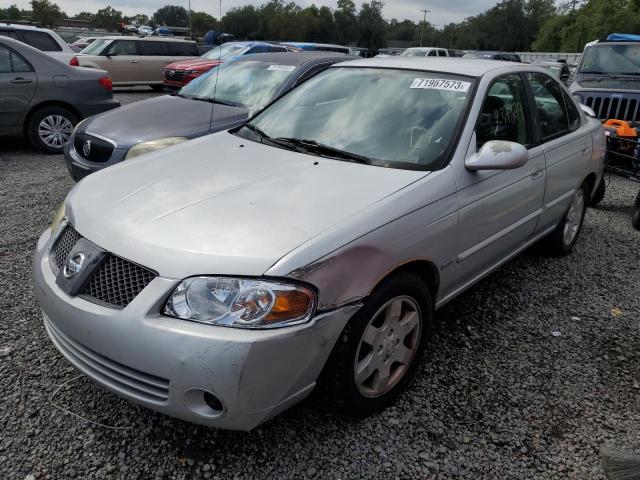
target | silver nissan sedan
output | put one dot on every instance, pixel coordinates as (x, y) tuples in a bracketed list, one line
[(219, 280)]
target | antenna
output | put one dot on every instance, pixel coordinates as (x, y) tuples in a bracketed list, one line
[(215, 85)]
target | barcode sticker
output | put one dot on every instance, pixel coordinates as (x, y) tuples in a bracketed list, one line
[(282, 68), (441, 84)]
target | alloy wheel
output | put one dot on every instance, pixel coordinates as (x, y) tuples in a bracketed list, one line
[(574, 218), (388, 346), (55, 131)]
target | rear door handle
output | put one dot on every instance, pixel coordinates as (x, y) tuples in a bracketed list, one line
[(21, 81), (135, 61), (585, 150)]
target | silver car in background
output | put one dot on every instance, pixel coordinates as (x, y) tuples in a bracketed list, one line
[(219, 280)]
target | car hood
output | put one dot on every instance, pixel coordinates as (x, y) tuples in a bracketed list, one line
[(606, 84), (161, 117), (222, 204), (193, 64)]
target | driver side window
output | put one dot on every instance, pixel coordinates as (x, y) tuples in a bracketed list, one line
[(122, 47), (504, 113)]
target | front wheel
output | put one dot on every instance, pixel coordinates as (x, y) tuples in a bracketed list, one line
[(565, 236), (599, 194), (379, 350), (635, 214)]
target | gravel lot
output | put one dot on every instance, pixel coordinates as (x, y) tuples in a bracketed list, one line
[(497, 396)]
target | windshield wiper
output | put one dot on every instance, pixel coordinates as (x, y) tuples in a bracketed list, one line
[(312, 146), (257, 131), (210, 100)]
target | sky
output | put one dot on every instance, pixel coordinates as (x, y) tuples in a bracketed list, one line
[(441, 12)]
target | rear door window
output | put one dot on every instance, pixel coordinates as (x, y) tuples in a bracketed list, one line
[(41, 40), (432, 53), (182, 49), (153, 49), (10, 61), (9, 33), (550, 104)]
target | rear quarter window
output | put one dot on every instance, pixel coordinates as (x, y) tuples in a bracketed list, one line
[(41, 40), (9, 33)]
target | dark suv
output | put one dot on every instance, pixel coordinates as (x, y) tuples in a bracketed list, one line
[(608, 79)]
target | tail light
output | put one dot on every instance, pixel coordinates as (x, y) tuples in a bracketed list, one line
[(74, 61), (106, 83)]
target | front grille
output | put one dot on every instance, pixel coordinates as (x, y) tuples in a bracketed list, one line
[(173, 75), (63, 246), (621, 106), (99, 150), (137, 384), (115, 283), (118, 281)]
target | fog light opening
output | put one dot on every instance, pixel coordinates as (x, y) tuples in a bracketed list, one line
[(213, 402), (203, 403)]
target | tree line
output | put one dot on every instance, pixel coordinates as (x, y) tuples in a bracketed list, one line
[(511, 25)]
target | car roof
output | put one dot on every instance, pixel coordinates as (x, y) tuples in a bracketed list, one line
[(19, 26), (312, 44), (292, 58), (246, 43), (453, 65), (144, 39)]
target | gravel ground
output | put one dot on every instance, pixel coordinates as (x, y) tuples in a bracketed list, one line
[(497, 396)]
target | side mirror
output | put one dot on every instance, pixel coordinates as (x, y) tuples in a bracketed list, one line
[(588, 111), (111, 54), (498, 155)]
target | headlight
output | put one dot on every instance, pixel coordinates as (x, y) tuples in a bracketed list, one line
[(577, 97), (241, 302), (57, 220), (153, 145)]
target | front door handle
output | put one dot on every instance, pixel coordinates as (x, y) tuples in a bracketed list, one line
[(134, 61), (21, 81), (537, 172)]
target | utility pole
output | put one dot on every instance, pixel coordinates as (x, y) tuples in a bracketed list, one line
[(424, 20), (190, 34)]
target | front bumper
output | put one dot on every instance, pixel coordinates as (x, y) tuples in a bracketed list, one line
[(79, 167), (168, 364)]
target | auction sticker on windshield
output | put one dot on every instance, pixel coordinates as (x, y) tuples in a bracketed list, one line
[(282, 68), (441, 84)]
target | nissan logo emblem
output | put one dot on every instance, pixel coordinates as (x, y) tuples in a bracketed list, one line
[(86, 148), (74, 265)]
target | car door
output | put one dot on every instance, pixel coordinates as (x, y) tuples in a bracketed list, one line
[(155, 55), (567, 147), (122, 60), (18, 84), (499, 209)]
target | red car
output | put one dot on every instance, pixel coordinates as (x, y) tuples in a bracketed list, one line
[(178, 74)]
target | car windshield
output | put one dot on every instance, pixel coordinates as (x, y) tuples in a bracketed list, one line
[(96, 47), (611, 59), (250, 84), (410, 121), (414, 52), (224, 51)]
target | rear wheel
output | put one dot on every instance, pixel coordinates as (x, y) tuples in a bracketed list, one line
[(50, 128), (635, 214), (565, 236), (379, 350)]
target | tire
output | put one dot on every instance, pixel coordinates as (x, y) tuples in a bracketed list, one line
[(58, 121), (157, 88), (599, 193), (564, 237), (365, 394), (635, 213)]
